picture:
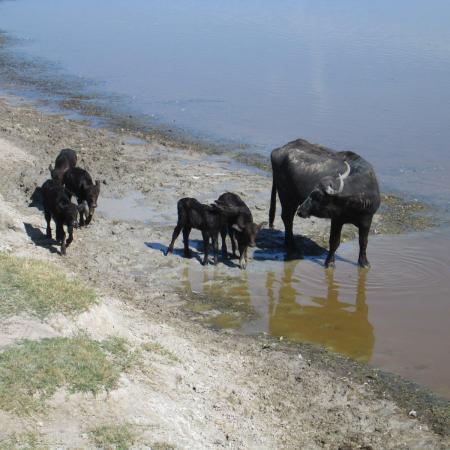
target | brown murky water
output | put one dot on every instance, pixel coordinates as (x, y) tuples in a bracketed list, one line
[(395, 315)]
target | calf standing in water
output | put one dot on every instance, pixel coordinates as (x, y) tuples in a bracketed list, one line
[(79, 182), (67, 159), (240, 226), (57, 206), (209, 219)]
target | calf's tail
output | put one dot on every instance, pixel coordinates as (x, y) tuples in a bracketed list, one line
[(273, 203)]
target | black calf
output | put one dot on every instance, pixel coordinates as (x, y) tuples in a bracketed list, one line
[(57, 206), (239, 226), (209, 219), (66, 159), (79, 183)]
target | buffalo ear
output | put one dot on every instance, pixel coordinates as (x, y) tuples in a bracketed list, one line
[(262, 224), (50, 167), (97, 183), (236, 227)]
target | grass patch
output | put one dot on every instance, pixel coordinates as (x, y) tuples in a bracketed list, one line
[(32, 371), (30, 440), (154, 347), (113, 437), (162, 446), (39, 288)]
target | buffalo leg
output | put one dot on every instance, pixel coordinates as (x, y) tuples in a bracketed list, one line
[(288, 219), (364, 228), (205, 247), (186, 233), (335, 240), (47, 219), (175, 234)]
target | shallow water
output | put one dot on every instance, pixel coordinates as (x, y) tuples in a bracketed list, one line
[(370, 77), (394, 315)]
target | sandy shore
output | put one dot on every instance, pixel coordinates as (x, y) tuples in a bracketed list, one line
[(224, 390)]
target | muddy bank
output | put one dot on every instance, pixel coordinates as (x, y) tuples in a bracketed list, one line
[(229, 391)]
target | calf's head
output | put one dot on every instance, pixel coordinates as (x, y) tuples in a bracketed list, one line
[(247, 232), (71, 214), (320, 197), (92, 193), (57, 175)]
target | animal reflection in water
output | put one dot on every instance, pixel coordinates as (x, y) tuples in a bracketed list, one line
[(343, 327), (283, 309), (228, 297)]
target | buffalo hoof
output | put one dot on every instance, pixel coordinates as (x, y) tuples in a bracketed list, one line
[(168, 251), (329, 265), (364, 264)]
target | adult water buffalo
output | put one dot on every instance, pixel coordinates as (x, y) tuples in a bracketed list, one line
[(315, 181)]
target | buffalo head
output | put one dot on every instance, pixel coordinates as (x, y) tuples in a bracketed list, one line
[(315, 204)]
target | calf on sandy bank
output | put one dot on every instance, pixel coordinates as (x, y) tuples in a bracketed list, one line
[(79, 183), (57, 206), (209, 219), (67, 159), (239, 226)]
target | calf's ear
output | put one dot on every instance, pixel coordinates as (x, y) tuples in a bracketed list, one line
[(50, 167), (236, 227)]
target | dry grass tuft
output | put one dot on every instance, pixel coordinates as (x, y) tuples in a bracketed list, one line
[(32, 371), (39, 288)]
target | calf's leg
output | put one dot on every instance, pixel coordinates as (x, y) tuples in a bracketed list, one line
[(186, 233), (205, 236), (243, 257), (82, 214), (215, 244), (175, 234), (223, 235), (61, 237), (233, 241), (70, 238), (48, 218), (335, 240)]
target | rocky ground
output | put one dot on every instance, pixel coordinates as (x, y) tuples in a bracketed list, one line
[(220, 389)]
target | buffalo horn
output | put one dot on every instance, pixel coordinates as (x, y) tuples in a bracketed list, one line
[(341, 177)]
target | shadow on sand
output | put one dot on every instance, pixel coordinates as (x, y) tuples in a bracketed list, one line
[(197, 246), (39, 238)]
